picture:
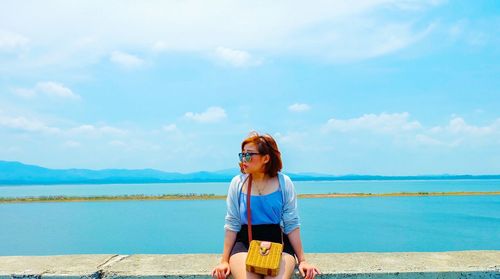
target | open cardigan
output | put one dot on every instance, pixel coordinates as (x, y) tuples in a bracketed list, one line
[(289, 218)]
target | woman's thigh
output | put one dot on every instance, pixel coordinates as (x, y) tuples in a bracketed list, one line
[(238, 267), (287, 266)]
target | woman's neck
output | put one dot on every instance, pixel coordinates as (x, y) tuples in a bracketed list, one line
[(260, 177)]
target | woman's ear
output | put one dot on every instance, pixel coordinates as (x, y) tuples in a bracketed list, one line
[(266, 158)]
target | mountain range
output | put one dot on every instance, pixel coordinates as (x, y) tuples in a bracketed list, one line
[(17, 173)]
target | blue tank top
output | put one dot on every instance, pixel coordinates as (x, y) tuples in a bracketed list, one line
[(266, 209)]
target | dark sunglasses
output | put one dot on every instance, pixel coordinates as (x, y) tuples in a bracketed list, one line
[(247, 157)]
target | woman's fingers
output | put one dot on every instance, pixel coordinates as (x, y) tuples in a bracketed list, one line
[(221, 272), (306, 273), (316, 272), (302, 272), (217, 274), (309, 273)]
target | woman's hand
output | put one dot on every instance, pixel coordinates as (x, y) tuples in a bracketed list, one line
[(308, 271), (221, 271)]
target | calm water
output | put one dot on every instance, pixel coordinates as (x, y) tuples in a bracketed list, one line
[(328, 225), (302, 187)]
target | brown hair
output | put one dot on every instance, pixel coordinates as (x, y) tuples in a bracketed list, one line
[(266, 145)]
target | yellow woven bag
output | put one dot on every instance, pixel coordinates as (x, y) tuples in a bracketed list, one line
[(264, 257)]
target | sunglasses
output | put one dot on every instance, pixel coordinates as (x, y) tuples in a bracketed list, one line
[(247, 157)]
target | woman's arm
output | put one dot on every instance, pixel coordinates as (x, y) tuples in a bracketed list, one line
[(308, 271), (292, 229), (229, 239), (222, 270), (296, 242), (232, 225)]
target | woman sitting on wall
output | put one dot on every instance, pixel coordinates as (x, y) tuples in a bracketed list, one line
[(274, 215)]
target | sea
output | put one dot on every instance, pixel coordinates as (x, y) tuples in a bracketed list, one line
[(328, 225)]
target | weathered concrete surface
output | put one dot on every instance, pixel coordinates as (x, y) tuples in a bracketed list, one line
[(151, 265), (67, 265), (463, 264)]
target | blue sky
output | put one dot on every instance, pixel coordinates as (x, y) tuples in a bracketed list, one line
[(368, 87)]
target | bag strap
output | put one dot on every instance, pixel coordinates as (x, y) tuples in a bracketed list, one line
[(249, 213)]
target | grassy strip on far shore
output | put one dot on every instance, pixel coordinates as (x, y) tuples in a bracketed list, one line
[(399, 194), (220, 197)]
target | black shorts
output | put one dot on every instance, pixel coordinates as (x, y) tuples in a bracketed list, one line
[(271, 232)]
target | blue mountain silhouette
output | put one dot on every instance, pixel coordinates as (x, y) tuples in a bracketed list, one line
[(17, 173)]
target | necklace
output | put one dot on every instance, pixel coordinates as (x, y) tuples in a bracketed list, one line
[(260, 190)]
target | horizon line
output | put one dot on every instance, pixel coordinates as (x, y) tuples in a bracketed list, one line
[(301, 173)]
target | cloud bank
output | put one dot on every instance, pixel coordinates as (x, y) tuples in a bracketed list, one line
[(211, 115)]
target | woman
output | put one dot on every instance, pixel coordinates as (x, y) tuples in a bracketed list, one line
[(273, 212)]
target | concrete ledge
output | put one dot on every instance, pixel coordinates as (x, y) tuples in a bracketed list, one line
[(462, 264)]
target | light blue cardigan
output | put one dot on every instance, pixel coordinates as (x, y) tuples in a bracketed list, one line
[(290, 217)]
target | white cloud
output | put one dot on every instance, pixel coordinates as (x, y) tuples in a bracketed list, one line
[(396, 37), (211, 115), (458, 133), (48, 88), (290, 137), (365, 38), (427, 140), (55, 89), (381, 123), (457, 125), (72, 144), (469, 32), (435, 130), (170, 128), (26, 124), (399, 132), (337, 30), (299, 107), (160, 46), (126, 60), (10, 41), (236, 58), (91, 130)]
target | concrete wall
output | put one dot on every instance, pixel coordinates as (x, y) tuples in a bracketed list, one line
[(463, 264)]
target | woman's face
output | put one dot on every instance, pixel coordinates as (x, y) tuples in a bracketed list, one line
[(256, 161)]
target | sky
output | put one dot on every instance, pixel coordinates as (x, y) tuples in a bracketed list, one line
[(379, 87)]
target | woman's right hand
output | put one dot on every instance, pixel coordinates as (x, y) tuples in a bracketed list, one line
[(221, 271)]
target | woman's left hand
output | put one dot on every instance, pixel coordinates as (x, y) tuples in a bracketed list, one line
[(308, 271)]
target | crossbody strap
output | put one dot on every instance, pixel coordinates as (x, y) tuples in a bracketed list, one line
[(249, 213)]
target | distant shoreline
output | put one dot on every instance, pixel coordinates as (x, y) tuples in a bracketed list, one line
[(5, 183), (13, 173), (221, 197)]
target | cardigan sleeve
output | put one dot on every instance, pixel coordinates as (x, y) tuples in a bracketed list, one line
[(232, 220), (290, 210)]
